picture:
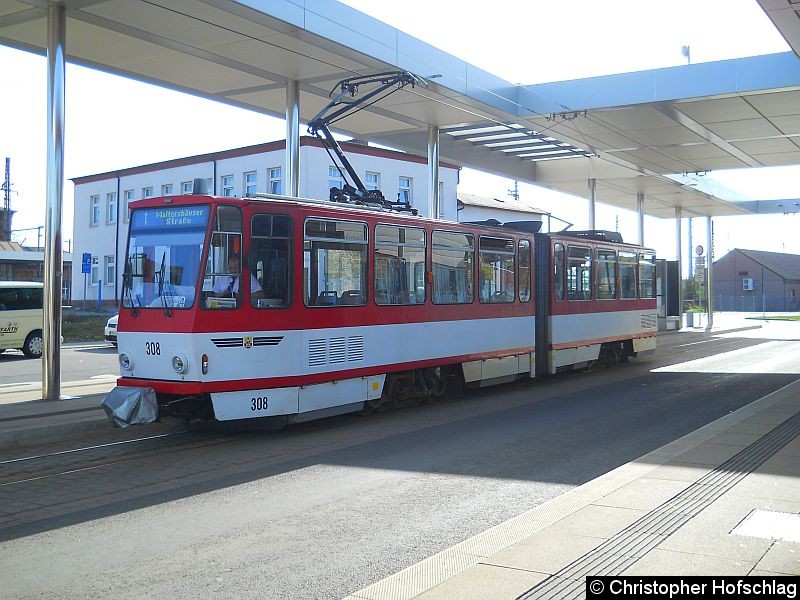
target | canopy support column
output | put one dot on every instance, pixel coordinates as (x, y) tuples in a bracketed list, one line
[(689, 250), (592, 201), (640, 217), (433, 172), (292, 177), (53, 258), (709, 271), (680, 266)]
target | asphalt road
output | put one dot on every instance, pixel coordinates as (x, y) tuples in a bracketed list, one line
[(323, 509), (78, 362)]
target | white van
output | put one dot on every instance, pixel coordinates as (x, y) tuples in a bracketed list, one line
[(21, 317)]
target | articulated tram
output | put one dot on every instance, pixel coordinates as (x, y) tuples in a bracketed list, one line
[(245, 308)]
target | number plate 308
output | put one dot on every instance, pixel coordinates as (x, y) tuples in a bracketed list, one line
[(259, 403)]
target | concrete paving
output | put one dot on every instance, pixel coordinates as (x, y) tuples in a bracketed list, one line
[(675, 511), (723, 500)]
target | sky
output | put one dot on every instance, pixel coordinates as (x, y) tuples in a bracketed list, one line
[(114, 122)]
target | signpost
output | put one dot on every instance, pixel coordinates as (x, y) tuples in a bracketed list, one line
[(86, 268)]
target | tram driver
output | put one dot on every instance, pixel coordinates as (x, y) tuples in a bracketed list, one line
[(228, 287)]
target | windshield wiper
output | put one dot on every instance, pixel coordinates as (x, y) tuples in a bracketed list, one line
[(163, 289), (127, 291)]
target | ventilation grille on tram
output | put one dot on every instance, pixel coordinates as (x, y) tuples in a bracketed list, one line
[(336, 350)]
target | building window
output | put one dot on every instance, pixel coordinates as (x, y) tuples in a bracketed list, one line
[(95, 274), (110, 270), (147, 192), (275, 186), (441, 198), (250, 183), (127, 198), (227, 185), (335, 179), (94, 211), (404, 188), (111, 208), (166, 189), (373, 181), (187, 187)]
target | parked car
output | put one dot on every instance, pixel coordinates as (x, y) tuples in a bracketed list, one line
[(110, 331), (21, 316)]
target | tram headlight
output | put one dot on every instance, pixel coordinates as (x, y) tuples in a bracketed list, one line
[(204, 364), (125, 362), (180, 363)]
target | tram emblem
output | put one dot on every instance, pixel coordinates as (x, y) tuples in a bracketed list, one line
[(248, 341)]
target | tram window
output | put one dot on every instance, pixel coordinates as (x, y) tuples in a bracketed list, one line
[(606, 275), (334, 263), (163, 265), (228, 218), (579, 273), (524, 262), (269, 260), (399, 265), (224, 265), (496, 270), (558, 271), (647, 275), (452, 257), (627, 274)]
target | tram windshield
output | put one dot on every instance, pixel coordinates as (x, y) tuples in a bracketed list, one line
[(162, 267)]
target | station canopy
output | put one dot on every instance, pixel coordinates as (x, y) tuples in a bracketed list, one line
[(628, 132)]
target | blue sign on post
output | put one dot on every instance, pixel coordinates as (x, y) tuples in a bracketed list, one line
[(86, 263)]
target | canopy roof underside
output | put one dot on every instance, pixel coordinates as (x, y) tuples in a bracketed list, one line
[(628, 132)]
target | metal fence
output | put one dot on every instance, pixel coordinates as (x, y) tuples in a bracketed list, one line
[(752, 303)]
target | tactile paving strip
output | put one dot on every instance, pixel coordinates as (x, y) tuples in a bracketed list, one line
[(618, 553)]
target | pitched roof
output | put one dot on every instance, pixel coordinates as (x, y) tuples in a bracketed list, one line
[(14, 251), (786, 266), (349, 147), (11, 247), (513, 205)]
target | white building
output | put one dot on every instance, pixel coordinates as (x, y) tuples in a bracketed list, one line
[(472, 208), (101, 201)]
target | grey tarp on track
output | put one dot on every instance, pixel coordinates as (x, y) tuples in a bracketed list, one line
[(131, 406)]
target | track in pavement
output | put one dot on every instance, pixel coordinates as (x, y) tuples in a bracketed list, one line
[(334, 505)]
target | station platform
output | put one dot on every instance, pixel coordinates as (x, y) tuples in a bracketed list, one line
[(723, 500)]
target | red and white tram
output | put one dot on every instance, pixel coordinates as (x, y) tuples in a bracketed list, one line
[(338, 308)]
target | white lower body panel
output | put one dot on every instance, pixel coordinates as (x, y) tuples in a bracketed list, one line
[(491, 371), (272, 402), (644, 345), (574, 356), (577, 338), (238, 356)]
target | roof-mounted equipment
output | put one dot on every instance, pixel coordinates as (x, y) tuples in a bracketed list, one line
[(595, 234), (344, 104)]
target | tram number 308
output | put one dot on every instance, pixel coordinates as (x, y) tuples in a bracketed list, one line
[(259, 403)]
